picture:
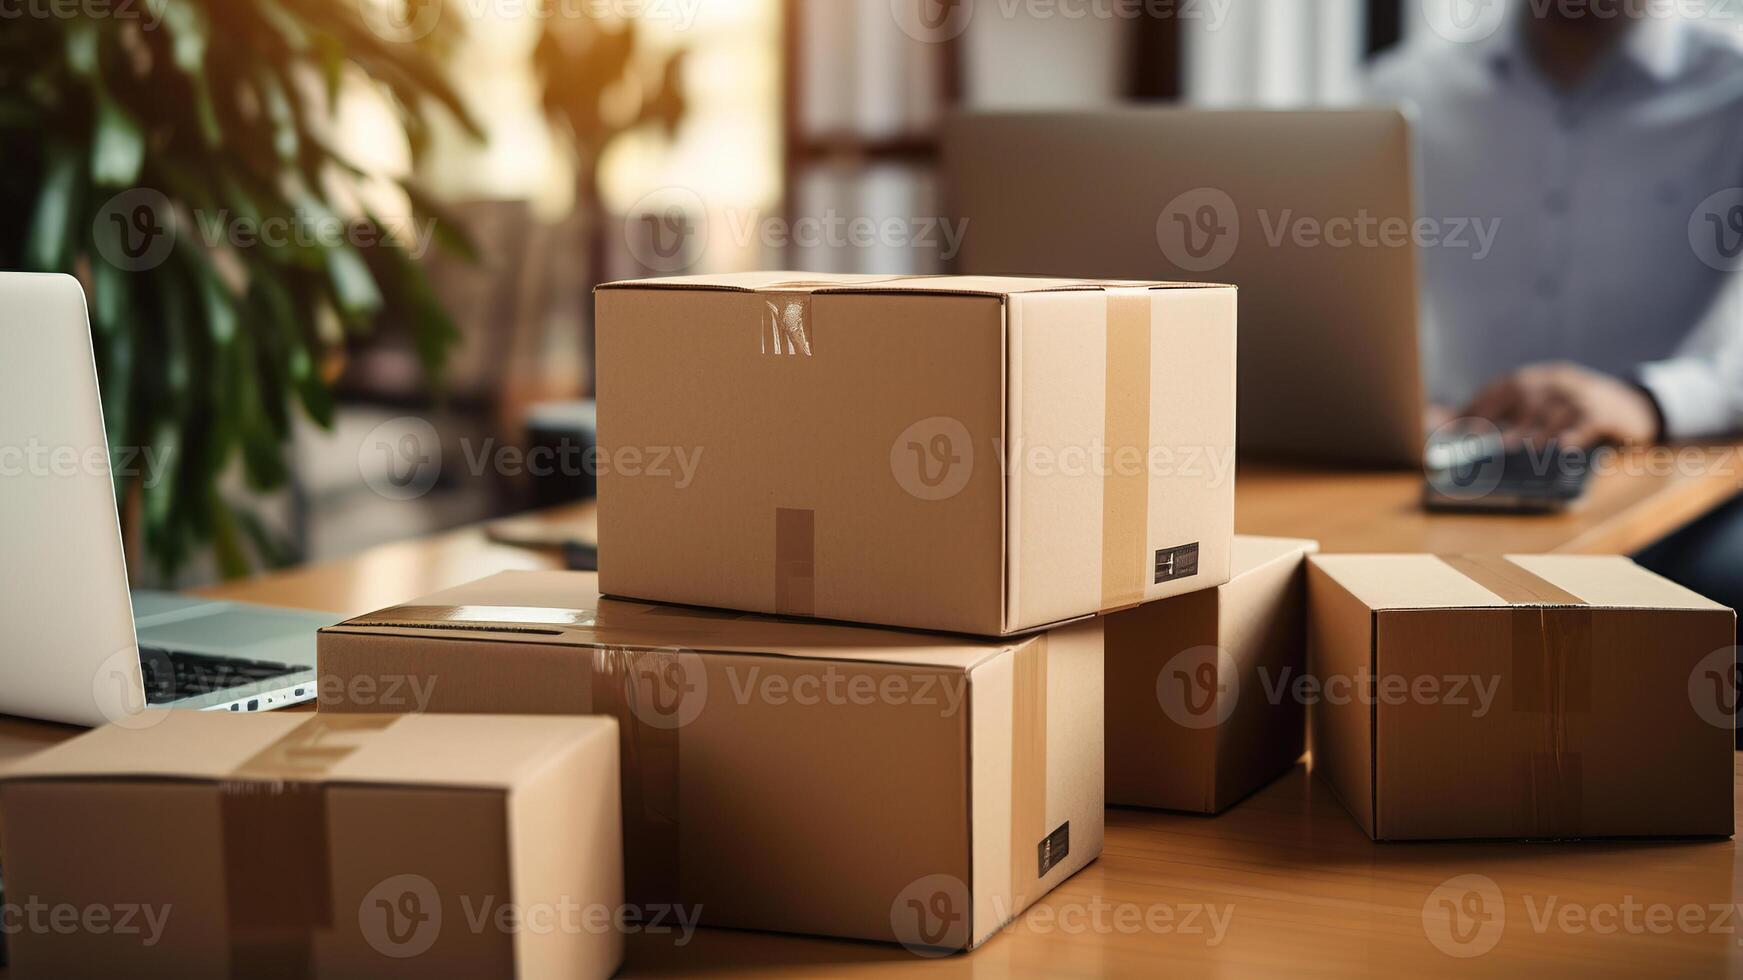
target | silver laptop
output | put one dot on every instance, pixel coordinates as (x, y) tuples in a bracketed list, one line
[(75, 646), (1328, 364)]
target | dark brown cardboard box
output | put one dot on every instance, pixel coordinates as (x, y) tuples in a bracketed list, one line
[(1199, 705), (1530, 696), (980, 455), (777, 774), (289, 844)]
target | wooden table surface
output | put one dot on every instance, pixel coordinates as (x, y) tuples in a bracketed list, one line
[(1285, 881)]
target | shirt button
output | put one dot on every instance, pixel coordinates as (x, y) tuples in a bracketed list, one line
[(1556, 202), (1567, 118), (1548, 287)]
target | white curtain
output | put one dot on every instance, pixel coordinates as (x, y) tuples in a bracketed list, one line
[(1275, 53)]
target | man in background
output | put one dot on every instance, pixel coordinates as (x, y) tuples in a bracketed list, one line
[(1607, 138)]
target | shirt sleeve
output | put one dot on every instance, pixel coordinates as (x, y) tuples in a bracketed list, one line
[(1699, 390)]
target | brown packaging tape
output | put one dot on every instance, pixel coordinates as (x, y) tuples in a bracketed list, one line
[(1028, 764), (1126, 488), (784, 323), (644, 691), (795, 561), (277, 864), (1550, 642)]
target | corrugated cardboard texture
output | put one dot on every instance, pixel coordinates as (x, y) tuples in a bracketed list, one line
[(732, 774), (1258, 619), (935, 454), (269, 861), (1591, 731)]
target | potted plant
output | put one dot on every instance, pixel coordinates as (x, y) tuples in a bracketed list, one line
[(174, 155)]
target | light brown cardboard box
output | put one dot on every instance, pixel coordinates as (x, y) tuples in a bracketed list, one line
[(980, 455), (1199, 711), (782, 775), (293, 845), (1535, 696)]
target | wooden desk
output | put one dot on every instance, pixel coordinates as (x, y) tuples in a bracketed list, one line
[(1636, 499), (1292, 880)]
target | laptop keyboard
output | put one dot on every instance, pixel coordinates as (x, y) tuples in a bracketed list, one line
[(172, 675)]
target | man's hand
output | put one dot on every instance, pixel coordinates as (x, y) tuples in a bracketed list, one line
[(1567, 404)]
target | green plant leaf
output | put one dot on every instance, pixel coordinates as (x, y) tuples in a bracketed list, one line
[(117, 146), (46, 247), (81, 46), (191, 30)]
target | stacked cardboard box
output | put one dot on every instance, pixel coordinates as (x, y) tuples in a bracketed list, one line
[(1201, 706), (997, 458)]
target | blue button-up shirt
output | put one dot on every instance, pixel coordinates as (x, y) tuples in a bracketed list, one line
[(1619, 209)]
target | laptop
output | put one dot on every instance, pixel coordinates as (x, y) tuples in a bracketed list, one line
[(75, 645), (1307, 211)]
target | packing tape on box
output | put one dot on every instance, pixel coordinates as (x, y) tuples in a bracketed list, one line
[(786, 329), (640, 684), (1028, 764), (1550, 637), (795, 561), (1126, 489), (277, 863), (644, 691), (784, 312)]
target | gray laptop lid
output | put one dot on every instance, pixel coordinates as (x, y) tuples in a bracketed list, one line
[(67, 650)]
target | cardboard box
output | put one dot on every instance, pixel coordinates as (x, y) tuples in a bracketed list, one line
[(1530, 696), (1200, 710), (782, 775), (980, 455), (299, 845)]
